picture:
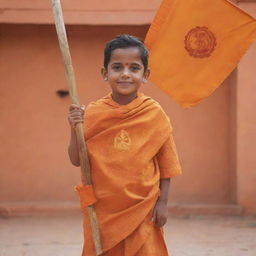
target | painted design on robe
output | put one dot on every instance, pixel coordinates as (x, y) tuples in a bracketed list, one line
[(122, 141)]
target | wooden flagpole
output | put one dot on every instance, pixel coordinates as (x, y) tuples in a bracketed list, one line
[(84, 162)]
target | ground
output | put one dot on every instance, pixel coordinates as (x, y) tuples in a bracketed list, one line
[(194, 236)]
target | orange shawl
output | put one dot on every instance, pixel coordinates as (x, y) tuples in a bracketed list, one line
[(123, 142)]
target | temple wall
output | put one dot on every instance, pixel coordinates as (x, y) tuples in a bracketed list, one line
[(215, 140)]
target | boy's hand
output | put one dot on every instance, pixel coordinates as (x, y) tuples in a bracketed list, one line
[(160, 212), (75, 114)]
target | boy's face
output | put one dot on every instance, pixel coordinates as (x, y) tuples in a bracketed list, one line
[(125, 72)]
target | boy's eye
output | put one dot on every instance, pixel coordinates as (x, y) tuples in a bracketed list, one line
[(135, 68), (116, 67)]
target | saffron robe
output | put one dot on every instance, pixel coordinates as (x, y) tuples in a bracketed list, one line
[(130, 147)]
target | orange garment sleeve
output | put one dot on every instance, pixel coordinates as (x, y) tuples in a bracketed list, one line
[(168, 160)]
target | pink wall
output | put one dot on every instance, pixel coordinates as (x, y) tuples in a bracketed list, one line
[(95, 12), (246, 126), (216, 140), (34, 161)]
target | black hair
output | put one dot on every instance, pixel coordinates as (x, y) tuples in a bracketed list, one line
[(125, 41)]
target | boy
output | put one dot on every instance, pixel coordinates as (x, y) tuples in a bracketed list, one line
[(132, 156)]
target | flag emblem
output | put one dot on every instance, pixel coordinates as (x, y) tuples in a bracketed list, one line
[(200, 42)]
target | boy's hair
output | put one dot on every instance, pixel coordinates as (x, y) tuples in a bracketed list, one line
[(125, 41)]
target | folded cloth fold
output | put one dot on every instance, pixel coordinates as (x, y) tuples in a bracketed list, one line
[(86, 195)]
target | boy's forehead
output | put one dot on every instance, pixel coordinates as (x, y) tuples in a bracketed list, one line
[(126, 55)]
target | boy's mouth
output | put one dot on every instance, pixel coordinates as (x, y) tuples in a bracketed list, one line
[(124, 83)]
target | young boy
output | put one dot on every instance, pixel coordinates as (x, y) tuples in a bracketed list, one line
[(132, 156)]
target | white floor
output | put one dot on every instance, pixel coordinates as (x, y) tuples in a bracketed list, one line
[(62, 236)]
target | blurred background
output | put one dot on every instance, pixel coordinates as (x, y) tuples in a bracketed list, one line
[(216, 140)]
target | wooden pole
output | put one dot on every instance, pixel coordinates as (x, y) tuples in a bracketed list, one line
[(84, 162)]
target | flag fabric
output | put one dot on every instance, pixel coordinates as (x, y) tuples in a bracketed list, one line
[(195, 44)]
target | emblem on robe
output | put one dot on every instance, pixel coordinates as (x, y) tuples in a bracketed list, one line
[(200, 42), (122, 141)]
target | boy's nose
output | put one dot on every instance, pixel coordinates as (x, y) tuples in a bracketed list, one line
[(126, 73)]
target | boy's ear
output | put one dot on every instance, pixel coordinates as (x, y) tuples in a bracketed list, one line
[(104, 74), (146, 74)]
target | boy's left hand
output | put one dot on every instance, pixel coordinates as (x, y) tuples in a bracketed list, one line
[(160, 212)]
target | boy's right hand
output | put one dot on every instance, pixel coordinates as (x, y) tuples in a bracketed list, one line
[(75, 114)]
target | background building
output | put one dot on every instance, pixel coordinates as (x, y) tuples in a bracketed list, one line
[(216, 140)]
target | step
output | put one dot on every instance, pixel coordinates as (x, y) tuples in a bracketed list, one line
[(72, 207)]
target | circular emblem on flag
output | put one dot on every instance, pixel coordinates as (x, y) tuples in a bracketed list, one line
[(200, 42)]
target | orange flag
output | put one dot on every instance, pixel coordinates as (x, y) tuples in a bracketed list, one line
[(195, 44)]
